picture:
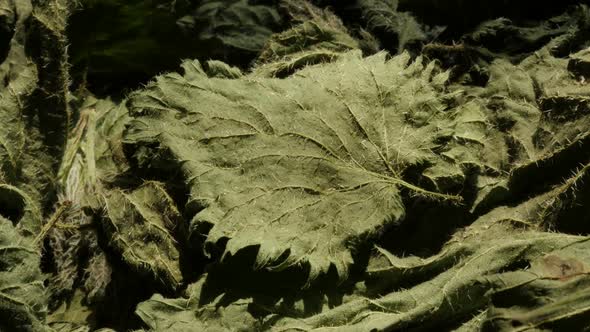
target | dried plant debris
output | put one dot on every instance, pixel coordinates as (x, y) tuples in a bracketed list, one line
[(35, 117), (363, 165), (579, 63)]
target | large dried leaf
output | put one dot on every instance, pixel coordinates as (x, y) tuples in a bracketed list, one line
[(305, 168)]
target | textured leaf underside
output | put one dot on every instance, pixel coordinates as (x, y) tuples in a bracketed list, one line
[(302, 167)]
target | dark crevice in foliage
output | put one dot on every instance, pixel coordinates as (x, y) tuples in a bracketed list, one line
[(460, 60), (125, 290), (516, 265), (460, 15), (220, 279), (117, 46), (425, 229), (192, 260), (12, 205), (568, 213), (535, 178), (269, 288), (49, 102), (7, 26), (146, 166), (576, 219)]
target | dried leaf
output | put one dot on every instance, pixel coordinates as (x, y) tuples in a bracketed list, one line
[(140, 225), (305, 168)]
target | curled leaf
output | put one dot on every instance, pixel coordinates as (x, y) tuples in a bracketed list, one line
[(140, 225)]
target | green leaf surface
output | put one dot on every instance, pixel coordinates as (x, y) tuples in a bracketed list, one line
[(306, 167)]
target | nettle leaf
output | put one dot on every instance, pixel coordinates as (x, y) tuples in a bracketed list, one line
[(306, 44), (23, 300), (241, 24), (140, 226), (304, 168)]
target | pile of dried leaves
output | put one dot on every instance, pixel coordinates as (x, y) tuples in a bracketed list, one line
[(243, 165)]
